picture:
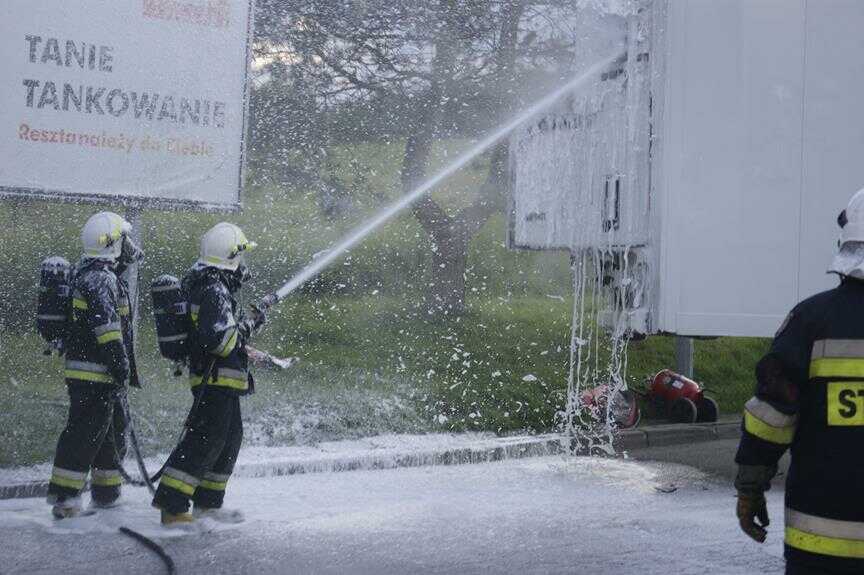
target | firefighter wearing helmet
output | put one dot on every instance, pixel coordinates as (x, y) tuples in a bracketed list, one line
[(202, 463), (810, 399), (99, 363)]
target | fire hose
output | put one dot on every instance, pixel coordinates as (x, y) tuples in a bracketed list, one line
[(148, 480), (153, 546)]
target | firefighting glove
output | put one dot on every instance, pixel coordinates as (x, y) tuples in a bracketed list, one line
[(130, 253), (752, 508), (259, 318), (251, 324)]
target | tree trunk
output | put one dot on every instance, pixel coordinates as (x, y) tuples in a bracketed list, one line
[(451, 235), (449, 263), (446, 294), (448, 275)]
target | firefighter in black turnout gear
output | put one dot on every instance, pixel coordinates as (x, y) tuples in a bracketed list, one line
[(201, 465), (810, 399), (99, 363)]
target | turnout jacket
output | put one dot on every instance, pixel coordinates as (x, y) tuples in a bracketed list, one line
[(810, 399), (99, 347), (217, 333)]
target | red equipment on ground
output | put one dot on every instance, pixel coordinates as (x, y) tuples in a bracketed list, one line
[(681, 399), (624, 409)]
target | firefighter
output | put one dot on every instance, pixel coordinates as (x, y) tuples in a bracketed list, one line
[(202, 463), (99, 364), (810, 399)]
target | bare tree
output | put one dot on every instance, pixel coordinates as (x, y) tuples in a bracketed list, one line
[(431, 54)]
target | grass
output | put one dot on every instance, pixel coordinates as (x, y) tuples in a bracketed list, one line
[(290, 229), (370, 365), (468, 372), (306, 404)]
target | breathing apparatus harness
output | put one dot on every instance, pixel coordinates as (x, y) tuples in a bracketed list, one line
[(56, 276)]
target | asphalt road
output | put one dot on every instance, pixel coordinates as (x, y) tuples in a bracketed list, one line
[(541, 515), (716, 458)]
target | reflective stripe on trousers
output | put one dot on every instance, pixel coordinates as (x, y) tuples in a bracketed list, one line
[(824, 536), (106, 477), (179, 480), (68, 478), (215, 481), (87, 371)]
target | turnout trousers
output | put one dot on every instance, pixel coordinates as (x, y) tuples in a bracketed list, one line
[(202, 463), (794, 567), (93, 441)]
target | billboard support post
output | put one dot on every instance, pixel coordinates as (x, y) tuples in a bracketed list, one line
[(684, 355), (133, 216)]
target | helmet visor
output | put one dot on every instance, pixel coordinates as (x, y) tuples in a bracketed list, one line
[(849, 260)]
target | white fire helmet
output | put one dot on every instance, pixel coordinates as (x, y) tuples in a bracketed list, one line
[(223, 247), (102, 236), (849, 260)]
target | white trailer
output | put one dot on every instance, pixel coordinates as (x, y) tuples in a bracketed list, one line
[(726, 147)]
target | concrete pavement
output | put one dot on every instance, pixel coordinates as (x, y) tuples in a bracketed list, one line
[(554, 514), (716, 458)]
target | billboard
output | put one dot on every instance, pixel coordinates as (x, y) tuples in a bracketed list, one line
[(579, 174), (567, 171), (136, 101)]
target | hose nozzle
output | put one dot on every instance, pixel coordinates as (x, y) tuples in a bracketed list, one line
[(267, 302)]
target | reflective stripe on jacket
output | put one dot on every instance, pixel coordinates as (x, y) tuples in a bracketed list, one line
[(99, 342)]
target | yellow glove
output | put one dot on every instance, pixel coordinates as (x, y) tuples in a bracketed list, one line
[(752, 507)]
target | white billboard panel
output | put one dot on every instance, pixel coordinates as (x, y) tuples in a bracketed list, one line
[(133, 100), (578, 174), (566, 184)]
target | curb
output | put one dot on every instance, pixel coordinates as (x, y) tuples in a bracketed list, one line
[(676, 434), (23, 490), (484, 452)]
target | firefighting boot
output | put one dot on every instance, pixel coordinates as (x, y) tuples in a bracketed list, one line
[(67, 508), (218, 514), (177, 519), (104, 497), (98, 503)]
